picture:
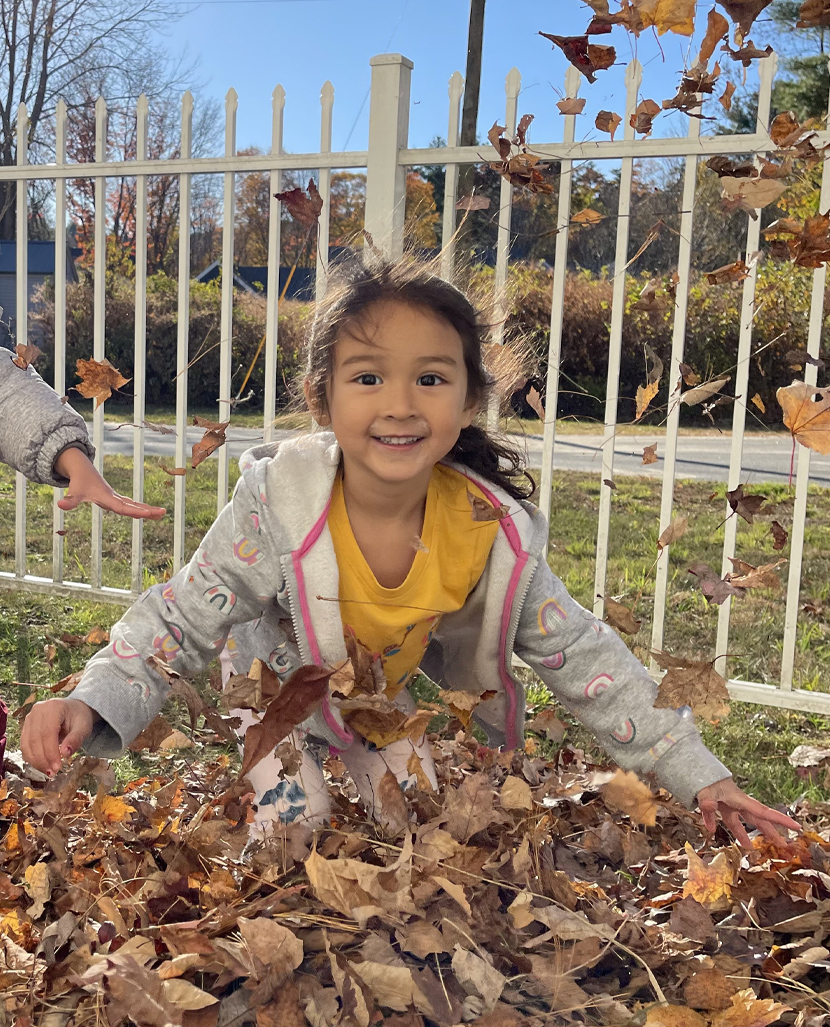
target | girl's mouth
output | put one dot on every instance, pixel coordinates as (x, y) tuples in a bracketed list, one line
[(398, 441)]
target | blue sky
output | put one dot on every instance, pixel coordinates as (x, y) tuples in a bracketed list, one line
[(254, 44)]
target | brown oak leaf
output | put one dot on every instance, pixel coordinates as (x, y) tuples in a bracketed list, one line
[(304, 207), (693, 683)]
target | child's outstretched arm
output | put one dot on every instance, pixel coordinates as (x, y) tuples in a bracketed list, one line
[(48, 442), (231, 579), (592, 672)]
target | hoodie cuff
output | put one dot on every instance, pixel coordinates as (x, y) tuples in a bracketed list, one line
[(65, 437), (686, 768)]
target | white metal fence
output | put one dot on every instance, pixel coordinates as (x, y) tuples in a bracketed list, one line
[(386, 160)]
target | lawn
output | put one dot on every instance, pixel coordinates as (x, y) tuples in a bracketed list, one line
[(755, 741)]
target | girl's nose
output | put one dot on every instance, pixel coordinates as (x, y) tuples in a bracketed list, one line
[(400, 400)]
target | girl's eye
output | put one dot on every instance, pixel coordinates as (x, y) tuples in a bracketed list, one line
[(430, 379), (367, 379)]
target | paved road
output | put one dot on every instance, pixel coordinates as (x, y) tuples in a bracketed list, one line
[(705, 457)]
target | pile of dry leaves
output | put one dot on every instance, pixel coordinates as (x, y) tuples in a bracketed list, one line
[(523, 892)]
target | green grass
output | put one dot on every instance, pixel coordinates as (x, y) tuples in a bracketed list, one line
[(753, 740)]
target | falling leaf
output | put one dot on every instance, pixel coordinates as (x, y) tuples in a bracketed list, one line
[(814, 14), (299, 697), (725, 166), (716, 589), (796, 358), (734, 272), (461, 704), (585, 57), (484, 511), (608, 121), (650, 454), (690, 376), (213, 438), (645, 394), (705, 391), (548, 724), (152, 736), (474, 202), (751, 194), (98, 380), (649, 298), (746, 575), (303, 207), (642, 118), (620, 617), (743, 12), (779, 535), (676, 16), (628, 794), (675, 530), (521, 168), (25, 355), (725, 99), (717, 27), (178, 472), (162, 429), (745, 506), (587, 217), (534, 401), (756, 399), (811, 248), (571, 105), (610, 483), (693, 683), (807, 415)]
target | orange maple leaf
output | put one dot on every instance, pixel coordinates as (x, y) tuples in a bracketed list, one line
[(807, 415), (98, 379)]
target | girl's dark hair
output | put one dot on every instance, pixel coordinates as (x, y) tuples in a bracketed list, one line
[(360, 285)]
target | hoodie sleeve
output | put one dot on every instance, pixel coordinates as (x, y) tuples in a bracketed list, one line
[(35, 427), (590, 670), (231, 579)]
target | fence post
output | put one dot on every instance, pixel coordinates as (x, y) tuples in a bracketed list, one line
[(388, 133)]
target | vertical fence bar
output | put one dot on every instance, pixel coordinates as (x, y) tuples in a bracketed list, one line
[(226, 325), (633, 78), (182, 335), (321, 277), (139, 340), (21, 335), (99, 323), (573, 80), (388, 133), (512, 88), (802, 479), (456, 91), (766, 73), (60, 321), (681, 306), (272, 299)]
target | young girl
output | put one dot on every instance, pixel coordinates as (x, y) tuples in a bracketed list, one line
[(377, 512), (47, 441)]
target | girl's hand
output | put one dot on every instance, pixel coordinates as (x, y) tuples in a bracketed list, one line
[(735, 808), (87, 486), (53, 730)]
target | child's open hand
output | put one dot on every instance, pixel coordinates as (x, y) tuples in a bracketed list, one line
[(735, 808), (54, 729), (87, 486)]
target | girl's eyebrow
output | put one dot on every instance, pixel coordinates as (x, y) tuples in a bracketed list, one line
[(362, 358)]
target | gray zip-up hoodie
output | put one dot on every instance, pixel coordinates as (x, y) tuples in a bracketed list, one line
[(35, 427), (268, 560)]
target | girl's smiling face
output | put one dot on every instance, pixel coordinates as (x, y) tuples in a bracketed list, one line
[(397, 399)]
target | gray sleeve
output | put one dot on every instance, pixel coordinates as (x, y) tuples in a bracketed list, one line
[(231, 579), (35, 427), (592, 672)]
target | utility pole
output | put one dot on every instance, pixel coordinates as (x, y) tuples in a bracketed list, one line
[(472, 85)]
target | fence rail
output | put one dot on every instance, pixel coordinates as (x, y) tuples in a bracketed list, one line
[(386, 160)]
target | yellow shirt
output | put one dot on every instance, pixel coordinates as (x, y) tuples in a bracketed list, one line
[(397, 624)]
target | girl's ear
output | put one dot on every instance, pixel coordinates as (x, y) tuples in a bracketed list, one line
[(469, 414), (317, 412)]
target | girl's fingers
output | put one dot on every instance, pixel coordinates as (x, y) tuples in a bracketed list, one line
[(69, 502), (733, 822), (129, 507)]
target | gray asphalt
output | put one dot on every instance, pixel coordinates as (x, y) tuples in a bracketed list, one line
[(704, 457)]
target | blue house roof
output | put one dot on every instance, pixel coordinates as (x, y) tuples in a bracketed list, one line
[(41, 257)]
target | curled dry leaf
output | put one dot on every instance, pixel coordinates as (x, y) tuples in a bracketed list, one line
[(756, 399), (675, 530), (645, 394), (213, 438), (716, 589), (797, 358), (693, 683), (534, 401), (676, 16), (705, 391), (304, 207), (747, 576), (587, 217), (807, 415), (178, 472), (814, 14), (689, 375), (25, 355), (743, 12), (484, 511), (418, 544), (608, 121), (650, 454), (520, 168), (571, 105), (643, 117), (610, 483), (751, 194), (628, 794), (734, 272), (725, 99), (745, 506), (717, 28), (620, 617), (779, 535), (585, 57), (548, 724), (98, 380)]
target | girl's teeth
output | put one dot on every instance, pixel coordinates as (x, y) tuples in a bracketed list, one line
[(398, 441)]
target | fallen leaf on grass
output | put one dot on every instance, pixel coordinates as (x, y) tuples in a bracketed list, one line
[(674, 1016), (548, 724), (748, 1011), (627, 793), (516, 794), (98, 380), (675, 530), (693, 683), (807, 415)]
